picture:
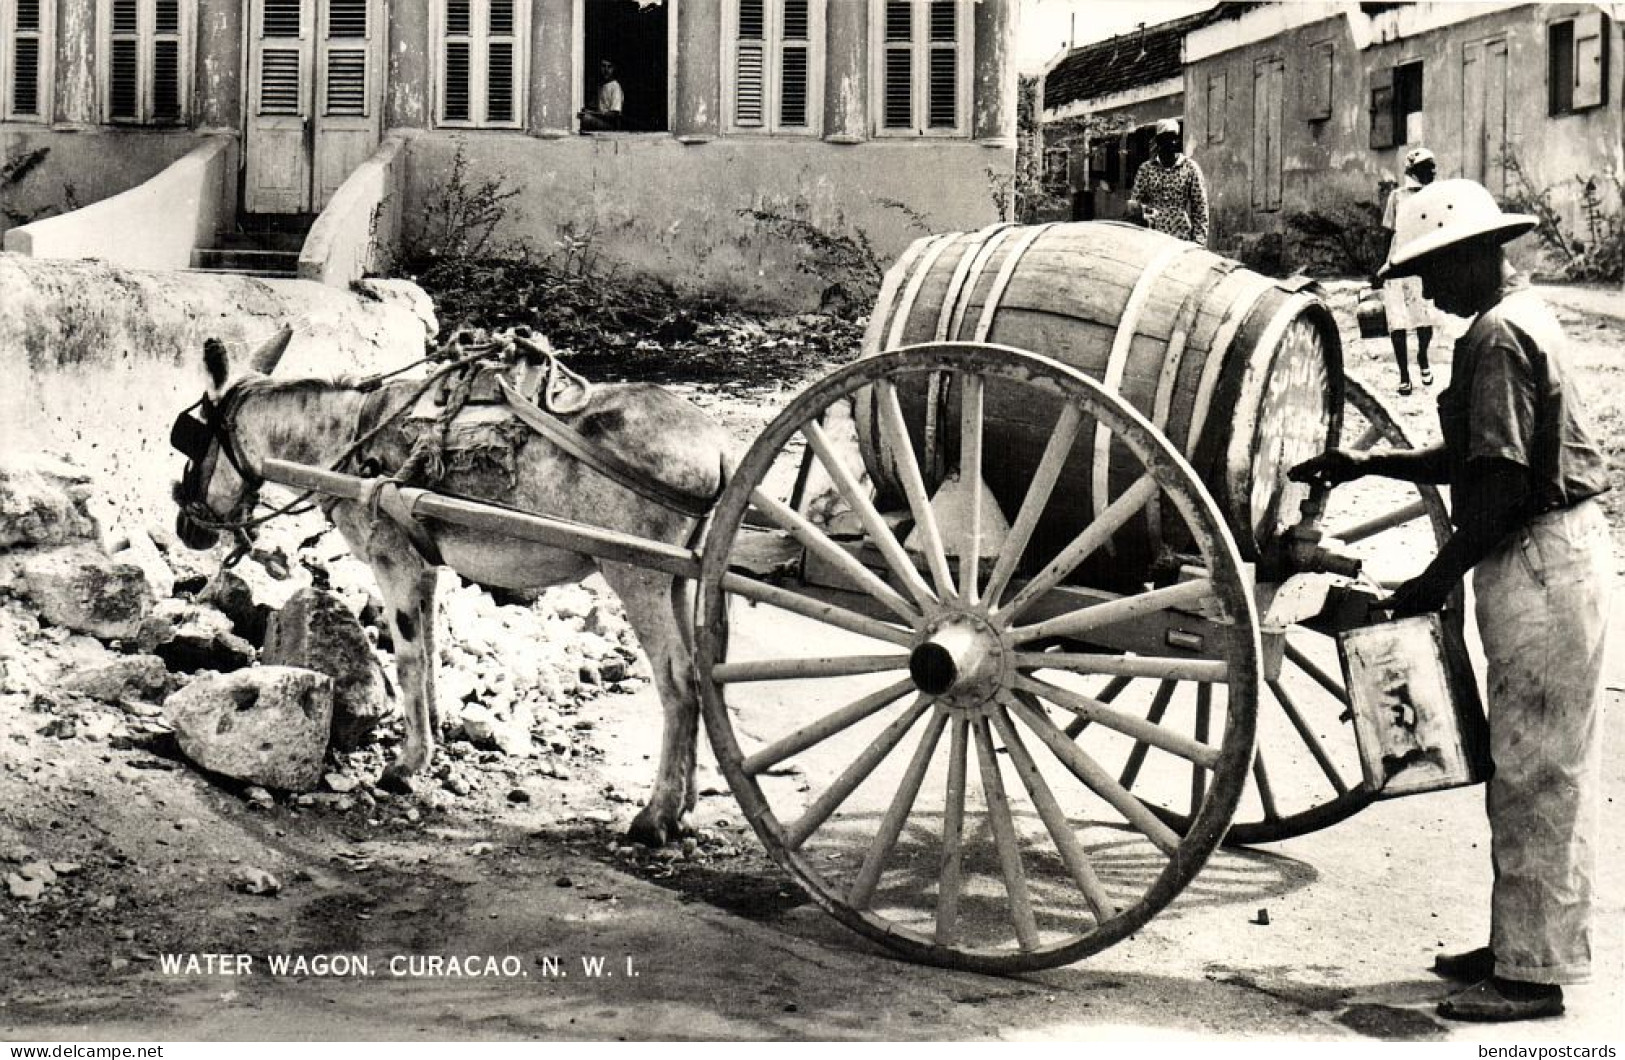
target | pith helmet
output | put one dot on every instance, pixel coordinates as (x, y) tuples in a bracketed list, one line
[(1444, 214)]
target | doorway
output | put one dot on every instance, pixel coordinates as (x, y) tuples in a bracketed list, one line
[(315, 86)]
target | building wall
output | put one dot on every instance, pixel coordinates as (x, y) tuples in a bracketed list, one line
[(655, 205), (1330, 161)]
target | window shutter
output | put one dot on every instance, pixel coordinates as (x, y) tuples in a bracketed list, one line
[(899, 21), (347, 83), (347, 19), (499, 81), (1216, 106), (25, 53), (1590, 59), (1317, 96), (167, 18), (1382, 108), (457, 81), (279, 81), (281, 19), (794, 72), (944, 21), (459, 14), (944, 88), (166, 81), (750, 65), (899, 106), (501, 22), (124, 67)]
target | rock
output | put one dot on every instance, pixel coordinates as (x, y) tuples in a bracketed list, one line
[(38, 870), (233, 597), (43, 501), (314, 630), (250, 880), (24, 889), (258, 798), (480, 849), (339, 783), (189, 637), (268, 725), (137, 548), (139, 677), (77, 587), (66, 868), (511, 736)]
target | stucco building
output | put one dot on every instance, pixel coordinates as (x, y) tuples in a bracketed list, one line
[(828, 110)]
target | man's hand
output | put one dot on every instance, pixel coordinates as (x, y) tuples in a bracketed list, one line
[(1420, 596), (1331, 468), (1134, 213)]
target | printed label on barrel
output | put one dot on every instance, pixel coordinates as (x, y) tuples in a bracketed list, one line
[(1294, 424)]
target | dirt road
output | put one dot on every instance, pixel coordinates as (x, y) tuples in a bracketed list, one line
[(528, 877)]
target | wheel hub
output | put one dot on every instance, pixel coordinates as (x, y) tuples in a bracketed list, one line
[(961, 659)]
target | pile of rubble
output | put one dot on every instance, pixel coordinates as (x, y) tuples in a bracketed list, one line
[(276, 673)]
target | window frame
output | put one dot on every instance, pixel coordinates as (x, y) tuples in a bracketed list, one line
[(921, 46), (772, 71), (1560, 102), (479, 39), (146, 37), (45, 71)]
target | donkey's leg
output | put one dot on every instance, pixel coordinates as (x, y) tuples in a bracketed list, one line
[(648, 600), (406, 582)]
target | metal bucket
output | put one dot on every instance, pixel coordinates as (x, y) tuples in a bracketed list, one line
[(1371, 314), (1417, 718)]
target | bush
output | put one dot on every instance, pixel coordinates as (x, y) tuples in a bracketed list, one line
[(1345, 239)]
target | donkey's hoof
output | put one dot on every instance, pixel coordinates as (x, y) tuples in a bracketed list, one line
[(652, 829)]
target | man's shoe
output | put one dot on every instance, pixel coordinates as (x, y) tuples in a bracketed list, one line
[(1498, 1000), (1474, 966)]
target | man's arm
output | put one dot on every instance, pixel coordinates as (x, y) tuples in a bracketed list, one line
[(1337, 466), (1197, 205), (1491, 504)]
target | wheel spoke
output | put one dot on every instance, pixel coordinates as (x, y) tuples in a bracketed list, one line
[(819, 542), (953, 828), (1266, 795), (1093, 777), (809, 822), (1320, 677), (895, 428), (891, 826), (1136, 757), (1196, 751), (1308, 737), (1004, 838), (799, 668), (817, 610), (1097, 533), (1113, 689), (1054, 818), (1204, 714), (1036, 501), (1406, 513), (1123, 609), (970, 477), (1373, 434), (825, 727), (1125, 667), (881, 534)]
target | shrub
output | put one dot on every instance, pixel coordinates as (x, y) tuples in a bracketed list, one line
[(1345, 239)]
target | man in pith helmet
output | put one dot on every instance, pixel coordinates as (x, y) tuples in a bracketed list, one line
[(1524, 471)]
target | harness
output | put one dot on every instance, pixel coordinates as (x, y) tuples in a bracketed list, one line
[(499, 372)]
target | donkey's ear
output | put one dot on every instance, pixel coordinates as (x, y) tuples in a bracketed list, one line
[(215, 360)]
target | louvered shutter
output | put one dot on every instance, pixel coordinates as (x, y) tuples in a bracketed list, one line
[(499, 63), (456, 101), (1590, 59), (346, 59), (166, 62), (279, 82), (898, 105), (750, 65), (124, 67), (942, 89), (25, 60), (794, 73)]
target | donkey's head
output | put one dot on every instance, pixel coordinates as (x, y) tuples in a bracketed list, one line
[(215, 494)]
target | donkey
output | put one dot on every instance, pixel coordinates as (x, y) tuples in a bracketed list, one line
[(248, 416)]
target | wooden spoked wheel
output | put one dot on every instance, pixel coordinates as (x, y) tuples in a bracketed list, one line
[(891, 714), (1306, 775)]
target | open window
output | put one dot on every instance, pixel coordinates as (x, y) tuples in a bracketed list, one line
[(25, 59), (143, 74), (1577, 62), (632, 38), (1396, 105)]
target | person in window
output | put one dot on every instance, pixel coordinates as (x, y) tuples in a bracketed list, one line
[(607, 114), (1402, 298), (1169, 192), (1524, 471)]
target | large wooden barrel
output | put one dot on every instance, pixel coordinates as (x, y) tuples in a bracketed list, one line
[(1242, 372)]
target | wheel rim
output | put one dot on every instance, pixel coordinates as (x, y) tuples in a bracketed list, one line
[(945, 813), (1306, 774)]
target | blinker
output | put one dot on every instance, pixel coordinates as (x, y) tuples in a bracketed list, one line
[(190, 437)]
